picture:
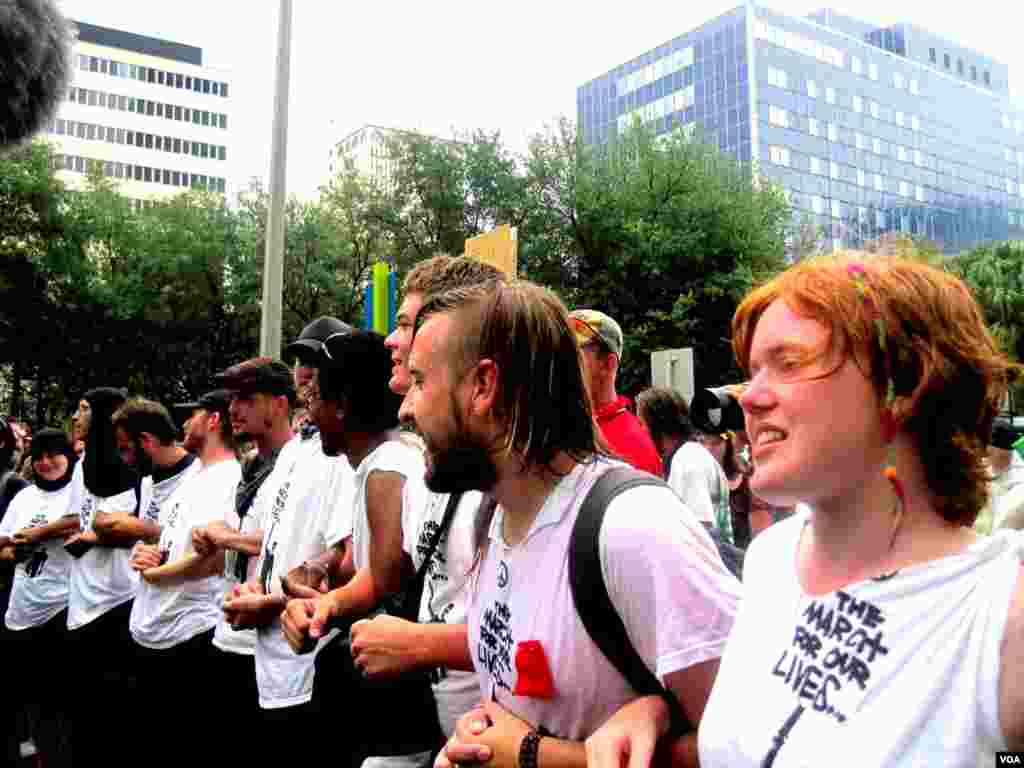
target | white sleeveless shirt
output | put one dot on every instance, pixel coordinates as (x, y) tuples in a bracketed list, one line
[(895, 672)]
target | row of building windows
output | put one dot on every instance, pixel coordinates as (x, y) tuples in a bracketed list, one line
[(947, 61), (113, 135), (674, 102), (144, 173), (666, 65), (780, 79), (89, 97), (1018, 126), (805, 45), (152, 75)]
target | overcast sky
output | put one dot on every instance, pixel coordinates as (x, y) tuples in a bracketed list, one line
[(456, 64)]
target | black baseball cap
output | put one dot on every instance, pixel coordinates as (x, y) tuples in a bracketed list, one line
[(258, 374), (216, 401), (312, 338)]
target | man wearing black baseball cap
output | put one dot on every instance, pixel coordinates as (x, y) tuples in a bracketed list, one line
[(304, 350)]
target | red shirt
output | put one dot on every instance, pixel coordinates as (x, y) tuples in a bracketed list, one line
[(627, 437)]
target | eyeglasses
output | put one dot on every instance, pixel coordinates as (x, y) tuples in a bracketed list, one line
[(325, 342)]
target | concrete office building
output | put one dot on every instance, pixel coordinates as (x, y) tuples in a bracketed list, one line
[(148, 111), (868, 129)]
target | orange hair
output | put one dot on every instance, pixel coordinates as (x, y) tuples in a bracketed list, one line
[(943, 361)]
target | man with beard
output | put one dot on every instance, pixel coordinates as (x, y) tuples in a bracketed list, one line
[(303, 509), (357, 416), (178, 603), (386, 645), (499, 395)]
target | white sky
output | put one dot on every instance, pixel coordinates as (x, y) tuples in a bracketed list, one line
[(457, 64)]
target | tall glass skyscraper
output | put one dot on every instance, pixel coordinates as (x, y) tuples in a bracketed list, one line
[(869, 130)]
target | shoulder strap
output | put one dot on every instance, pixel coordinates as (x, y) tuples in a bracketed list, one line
[(410, 604), (590, 593)]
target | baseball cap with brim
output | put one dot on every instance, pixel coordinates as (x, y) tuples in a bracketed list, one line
[(307, 346), (260, 374), (217, 400), (589, 325)]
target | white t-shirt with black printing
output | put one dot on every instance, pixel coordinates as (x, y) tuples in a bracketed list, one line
[(164, 616), (102, 578), (401, 458), (226, 638), (900, 671), (310, 511), (446, 591), (698, 479), (40, 588), (665, 580)]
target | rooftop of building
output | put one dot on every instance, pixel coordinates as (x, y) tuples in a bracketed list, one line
[(130, 41)]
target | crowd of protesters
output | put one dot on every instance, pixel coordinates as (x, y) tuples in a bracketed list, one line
[(382, 550)]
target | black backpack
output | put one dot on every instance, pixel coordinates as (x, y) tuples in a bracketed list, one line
[(590, 594)]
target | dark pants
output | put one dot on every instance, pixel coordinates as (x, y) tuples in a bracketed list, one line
[(236, 708), (101, 666)]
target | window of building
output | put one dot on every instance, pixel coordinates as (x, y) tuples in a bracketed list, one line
[(960, 67), (186, 147), (899, 118), (179, 80), (815, 165), (103, 98), (873, 109), (987, 78), (1006, 119), (931, 55), (176, 147), (206, 85), (872, 70), (111, 134), (223, 95), (974, 73), (835, 209), (83, 98), (148, 174), (215, 88), (778, 116), (1007, 154), (80, 164), (830, 95), (151, 75), (897, 80), (915, 123), (904, 189), (880, 219), (946, 60), (160, 77), (120, 136), (858, 104), (206, 117), (1011, 186), (159, 109), (817, 204), (222, 154), (94, 64), (812, 89), (879, 183), (858, 140), (223, 121), (901, 153), (919, 193), (122, 103), (91, 134), (140, 139), (196, 117), (833, 132), (150, 108), (918, 157), (913, 86), (812, 126), (94, 98), (861, 177), (778, 155), (159, 141), (855, 65), (833, 169)]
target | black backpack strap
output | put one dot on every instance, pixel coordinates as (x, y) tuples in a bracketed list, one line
[(590, 593), (409, 605)]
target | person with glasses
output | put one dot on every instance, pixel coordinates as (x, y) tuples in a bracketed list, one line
[(600, 342)]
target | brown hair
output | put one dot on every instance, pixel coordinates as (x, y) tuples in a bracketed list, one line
[(140, 415), (444, 273), (665, 413), (944, 362), (542, 398)]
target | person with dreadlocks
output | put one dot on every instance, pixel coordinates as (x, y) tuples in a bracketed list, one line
[(31, 535), (876, 626)]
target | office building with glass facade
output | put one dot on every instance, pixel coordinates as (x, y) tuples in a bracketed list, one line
[(868, 129)]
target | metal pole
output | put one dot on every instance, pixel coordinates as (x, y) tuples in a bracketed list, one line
[(273, 264)]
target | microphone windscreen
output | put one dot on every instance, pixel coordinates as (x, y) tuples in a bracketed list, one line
[(35, 66)]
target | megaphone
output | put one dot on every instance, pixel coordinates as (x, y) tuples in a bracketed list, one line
[(718, 410)]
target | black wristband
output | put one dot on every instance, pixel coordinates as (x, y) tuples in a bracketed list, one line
[(528, 748)]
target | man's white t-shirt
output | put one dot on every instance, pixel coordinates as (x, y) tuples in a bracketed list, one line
[(665, 580), (310, 511), (445, 591), (40, 589), (166, 615), (698, 479), (401, 458), (102, 578)]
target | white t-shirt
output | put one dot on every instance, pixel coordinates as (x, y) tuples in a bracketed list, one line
[(40, 588), (102, 578), (898, 672), (664, 577), (164, 616), (698, 480), (310, 511), (446, 592), (390, 456)]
